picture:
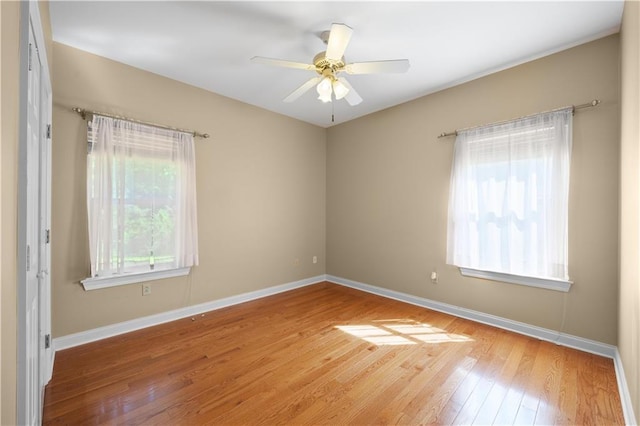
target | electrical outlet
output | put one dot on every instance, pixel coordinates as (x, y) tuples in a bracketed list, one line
[(315, 259), (146, 289), (434, 277)]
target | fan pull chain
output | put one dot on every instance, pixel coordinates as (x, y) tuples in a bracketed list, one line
[(332, 111)]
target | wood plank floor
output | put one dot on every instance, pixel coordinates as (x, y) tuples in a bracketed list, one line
[(326, 354)]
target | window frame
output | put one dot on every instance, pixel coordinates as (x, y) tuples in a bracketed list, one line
[(175, 268), (549, 283), (546, 283), (95, 283)]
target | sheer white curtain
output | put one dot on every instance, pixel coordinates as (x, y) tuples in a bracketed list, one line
[(141, 198), (508, 204)]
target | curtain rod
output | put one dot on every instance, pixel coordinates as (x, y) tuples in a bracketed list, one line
[(83, 113), (591, 104)]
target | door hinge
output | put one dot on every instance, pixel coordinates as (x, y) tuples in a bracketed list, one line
[(47, 236), (28, 258), (48, 131), (47, 341), (29, 56)]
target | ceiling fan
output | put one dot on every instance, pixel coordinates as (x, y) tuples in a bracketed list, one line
[(330, 63)]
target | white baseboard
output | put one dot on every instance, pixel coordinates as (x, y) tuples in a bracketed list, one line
[(575, 342), (71, 340), (625, 397)]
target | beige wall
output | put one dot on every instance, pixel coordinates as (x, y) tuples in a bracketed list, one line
[(8, 176), (261, 192), (629, 314), (388, 181)]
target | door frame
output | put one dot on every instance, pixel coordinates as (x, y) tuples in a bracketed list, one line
[(30, 20)]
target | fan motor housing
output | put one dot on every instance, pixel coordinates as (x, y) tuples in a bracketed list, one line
[(321, 62)]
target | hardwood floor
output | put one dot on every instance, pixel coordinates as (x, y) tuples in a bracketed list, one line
[(326, 354)]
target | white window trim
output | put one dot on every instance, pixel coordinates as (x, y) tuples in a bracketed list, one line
[(95, 283), (547, 283)]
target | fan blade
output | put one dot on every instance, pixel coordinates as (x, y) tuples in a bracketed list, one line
[(352, 96), (398, 65), (282, 63), (302, 89), (338, 39)]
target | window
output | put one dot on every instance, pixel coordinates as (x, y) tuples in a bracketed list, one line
[(141, 202), (508, 203)]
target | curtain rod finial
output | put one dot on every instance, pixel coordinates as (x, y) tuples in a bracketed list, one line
[(80, 111)]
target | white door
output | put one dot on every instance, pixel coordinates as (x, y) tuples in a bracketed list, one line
[(44, 230), (32, 289), (35, 355)]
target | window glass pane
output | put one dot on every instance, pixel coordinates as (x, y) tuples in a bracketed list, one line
[(164, 215), (149, 213)]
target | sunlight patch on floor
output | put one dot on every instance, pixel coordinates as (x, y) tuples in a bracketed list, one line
[(401, 333)]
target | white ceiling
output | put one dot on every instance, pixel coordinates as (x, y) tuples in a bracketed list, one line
[(208, 44)]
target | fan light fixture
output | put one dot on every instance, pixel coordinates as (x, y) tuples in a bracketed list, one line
[(324, 89), (340, 89), (331, 85)]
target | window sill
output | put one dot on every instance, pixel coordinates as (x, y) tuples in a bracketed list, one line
[(116, 280), (549, 284)]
